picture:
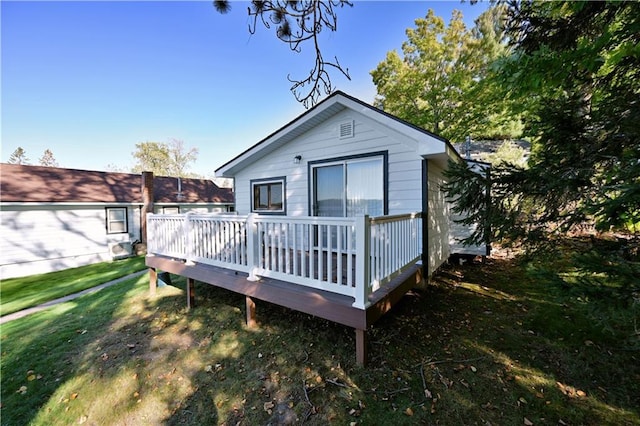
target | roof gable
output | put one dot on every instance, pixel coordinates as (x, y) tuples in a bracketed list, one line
[(429, 144), (37, 184)]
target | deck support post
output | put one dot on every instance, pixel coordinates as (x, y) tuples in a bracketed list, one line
[(191, 294), (251, 312), (153, 281), (362, 343)]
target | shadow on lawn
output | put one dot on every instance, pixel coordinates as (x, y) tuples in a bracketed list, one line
[(473, 347), (508, 344), (105, 358)]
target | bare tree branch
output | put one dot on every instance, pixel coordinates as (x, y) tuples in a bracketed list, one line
[(297, 22)]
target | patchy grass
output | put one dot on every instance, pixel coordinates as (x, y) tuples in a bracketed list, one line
[(487, 343), (25, 292)]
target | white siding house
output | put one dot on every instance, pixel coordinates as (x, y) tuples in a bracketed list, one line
[(339, 214), (398, 164), (55, 218)]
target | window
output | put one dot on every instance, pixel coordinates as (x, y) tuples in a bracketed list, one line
[(349, 186), (171, 210), (117, 220), (268, 195)]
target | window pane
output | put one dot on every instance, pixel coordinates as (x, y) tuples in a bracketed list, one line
[(263, 196), (365, 192), (116, 214), (117, 227), (329, 194), (276, 196)]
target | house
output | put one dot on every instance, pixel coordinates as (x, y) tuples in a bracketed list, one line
[(338, 214), (55, 218)]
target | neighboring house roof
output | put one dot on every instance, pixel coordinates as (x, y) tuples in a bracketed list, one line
[(429, 144), (479, 150), (37, 184)]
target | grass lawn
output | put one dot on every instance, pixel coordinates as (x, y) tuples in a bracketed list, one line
[(497, 343), (25, 292)]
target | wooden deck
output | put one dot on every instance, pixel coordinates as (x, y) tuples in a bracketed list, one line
[(323, 304)]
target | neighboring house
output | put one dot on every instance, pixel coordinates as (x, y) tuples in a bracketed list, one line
[(518, 151), (339, 213), (54, 218)]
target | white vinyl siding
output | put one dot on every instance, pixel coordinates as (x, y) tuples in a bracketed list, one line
[(438, 223), (45, 238), (322, 143)]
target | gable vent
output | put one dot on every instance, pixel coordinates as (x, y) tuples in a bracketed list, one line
[(346, 129)]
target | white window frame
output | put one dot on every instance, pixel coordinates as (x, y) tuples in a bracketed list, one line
[(110, 223)]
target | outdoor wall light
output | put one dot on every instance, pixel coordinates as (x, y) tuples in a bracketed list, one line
[(297, 159)]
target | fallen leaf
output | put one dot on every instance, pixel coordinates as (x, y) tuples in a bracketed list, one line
[(73, 396), (427, 394), (208, 369), (82, 419), (527, 422), (473, 368), (521, 399), (581, 393), (22, 390), (268, 406), (31, 377), (408, 411)]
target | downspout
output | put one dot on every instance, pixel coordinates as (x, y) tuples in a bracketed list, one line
[(147, 203)]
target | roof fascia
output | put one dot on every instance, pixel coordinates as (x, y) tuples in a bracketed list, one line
[(228, 169)]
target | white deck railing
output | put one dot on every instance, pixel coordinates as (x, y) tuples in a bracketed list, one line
[(352, 256)]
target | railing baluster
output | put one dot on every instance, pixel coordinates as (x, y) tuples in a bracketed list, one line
[(339, 237), (295, 250)]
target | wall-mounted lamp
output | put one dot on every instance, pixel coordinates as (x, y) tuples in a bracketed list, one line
[(297, 159)]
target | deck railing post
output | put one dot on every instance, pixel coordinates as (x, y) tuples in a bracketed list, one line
[(363, 272), (151, 236), (189, 242), (252, 247)]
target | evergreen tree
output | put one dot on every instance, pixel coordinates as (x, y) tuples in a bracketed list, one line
[(575, 72), (47, 159), (19, 156)]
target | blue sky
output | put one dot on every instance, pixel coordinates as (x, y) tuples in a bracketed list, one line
[(89, 80)]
